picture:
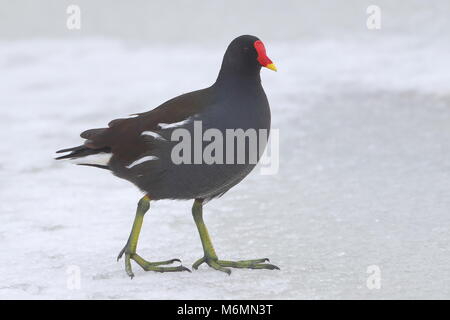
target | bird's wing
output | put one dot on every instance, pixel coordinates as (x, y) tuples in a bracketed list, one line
[(124, 136)]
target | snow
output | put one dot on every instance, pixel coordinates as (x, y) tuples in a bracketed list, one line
[(364, 173)]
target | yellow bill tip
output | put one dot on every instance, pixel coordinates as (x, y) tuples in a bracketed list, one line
[(271, 66)]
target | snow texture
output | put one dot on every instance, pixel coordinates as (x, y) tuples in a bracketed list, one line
[(364, 174)]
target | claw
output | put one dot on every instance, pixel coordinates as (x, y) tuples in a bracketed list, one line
[(175, 260), (273, 267), (265, 266), (186, 269)]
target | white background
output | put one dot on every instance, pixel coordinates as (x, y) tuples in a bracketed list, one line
[(364, 120)]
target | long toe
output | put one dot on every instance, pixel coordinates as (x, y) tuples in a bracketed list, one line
[(166, 269), (249, 264), (128, 269), (224, 265), (216, 265), (158, 263), (156, 266)]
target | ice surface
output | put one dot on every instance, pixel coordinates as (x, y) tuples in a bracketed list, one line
[(364, 173)]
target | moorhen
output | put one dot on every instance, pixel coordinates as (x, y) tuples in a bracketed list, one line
[(145, 148)]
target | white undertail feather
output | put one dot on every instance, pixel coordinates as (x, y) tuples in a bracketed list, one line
[(97, 159)]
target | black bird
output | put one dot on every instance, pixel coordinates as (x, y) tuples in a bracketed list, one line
[(146, 148)]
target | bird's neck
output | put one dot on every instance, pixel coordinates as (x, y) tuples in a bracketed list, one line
[(238, 72), (238, 78)]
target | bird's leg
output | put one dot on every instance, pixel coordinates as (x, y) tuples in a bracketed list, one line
[(210, 256), (130, 247)]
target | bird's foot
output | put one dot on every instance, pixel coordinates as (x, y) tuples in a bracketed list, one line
[(148, 266), (224, 265)]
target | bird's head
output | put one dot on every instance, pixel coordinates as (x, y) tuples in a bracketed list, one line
[(246, 54)]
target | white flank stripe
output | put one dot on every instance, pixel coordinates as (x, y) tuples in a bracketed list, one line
[(99, 158), (173, 125), (152, 134), (142, 160)]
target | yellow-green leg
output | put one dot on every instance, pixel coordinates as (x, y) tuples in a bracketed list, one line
[(210, 256), (130, 247)]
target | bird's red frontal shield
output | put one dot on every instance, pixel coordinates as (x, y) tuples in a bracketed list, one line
[(263, 59)]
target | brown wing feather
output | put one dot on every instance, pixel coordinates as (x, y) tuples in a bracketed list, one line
[(123, 136)]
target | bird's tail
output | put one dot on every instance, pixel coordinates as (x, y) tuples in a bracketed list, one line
[(85, 156)]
